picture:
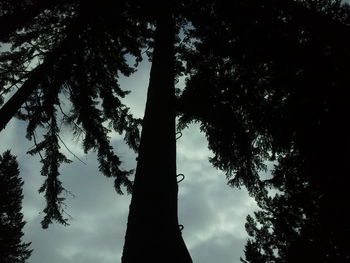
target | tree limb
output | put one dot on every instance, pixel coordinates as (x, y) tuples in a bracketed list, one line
[(12, 106)]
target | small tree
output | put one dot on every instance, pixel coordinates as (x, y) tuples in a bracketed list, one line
[(12, 250)]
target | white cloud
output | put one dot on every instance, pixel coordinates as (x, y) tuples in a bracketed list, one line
[(212, 212)]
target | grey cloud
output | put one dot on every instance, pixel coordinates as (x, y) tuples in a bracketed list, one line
[(220, 248), (213, 213), (96, 231), (137, 84), (209, 209)]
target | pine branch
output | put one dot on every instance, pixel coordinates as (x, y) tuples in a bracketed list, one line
[(38, 75), (20, 17), (70, 120)]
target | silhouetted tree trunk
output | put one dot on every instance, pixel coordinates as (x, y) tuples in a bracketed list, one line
[(153, 233)]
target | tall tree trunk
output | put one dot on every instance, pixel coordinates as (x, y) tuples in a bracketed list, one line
[(153, 233)]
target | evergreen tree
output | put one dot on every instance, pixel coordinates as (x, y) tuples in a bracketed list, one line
[(98, 46), (296, 224), (82, 58), (245, 63), (300, 118), (12, 250), (282, 84)]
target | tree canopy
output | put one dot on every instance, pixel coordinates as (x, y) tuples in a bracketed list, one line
[(80, 53), (274, 86)]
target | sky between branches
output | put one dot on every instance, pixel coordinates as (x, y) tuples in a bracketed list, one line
[(213, 213)]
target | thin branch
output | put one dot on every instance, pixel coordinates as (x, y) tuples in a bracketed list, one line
[(6, 90), (66, 115), (36, 145), (13, 69), (69, 149), (34, 135), (67, 192)]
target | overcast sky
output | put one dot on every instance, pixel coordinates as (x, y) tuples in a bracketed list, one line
[(212, 213)]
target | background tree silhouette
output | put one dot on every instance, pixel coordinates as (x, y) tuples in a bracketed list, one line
[(12, 249), (251, 73), (282, 84), (305, 113), (298, 224)]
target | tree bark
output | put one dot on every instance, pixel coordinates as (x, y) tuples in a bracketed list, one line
[(153, 233)]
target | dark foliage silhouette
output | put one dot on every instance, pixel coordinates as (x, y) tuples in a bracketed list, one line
[(12, 249), (305, 85), (81, 58), (269, 85), (302, 222), (265, 80)]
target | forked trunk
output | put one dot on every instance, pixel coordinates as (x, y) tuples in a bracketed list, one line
[(153, 233)]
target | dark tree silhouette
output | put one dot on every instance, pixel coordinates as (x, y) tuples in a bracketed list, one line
[(303, 78), (153, 221), (251, 74), (82, 58), (12, 249), (69, 64), (282, 84), (296, 224)]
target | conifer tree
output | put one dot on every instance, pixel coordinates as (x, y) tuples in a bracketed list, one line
[(284, 91), (296, 224), (243, 68), (300, 116), (12, 249), (82, 57)]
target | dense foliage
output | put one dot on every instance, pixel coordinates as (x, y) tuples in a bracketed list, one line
[(73, 51), (12, 249), (267, 83)]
